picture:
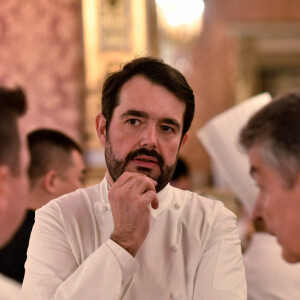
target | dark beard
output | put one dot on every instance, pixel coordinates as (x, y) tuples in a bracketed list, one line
[(117, 167)]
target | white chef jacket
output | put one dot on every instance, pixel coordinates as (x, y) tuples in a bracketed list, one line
[(268, 275), (192, 251), (9, 288)]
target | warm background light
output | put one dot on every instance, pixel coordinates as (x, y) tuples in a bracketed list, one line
[(181, 20)]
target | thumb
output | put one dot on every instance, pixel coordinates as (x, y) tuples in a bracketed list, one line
[(155, 203), (151, 197)]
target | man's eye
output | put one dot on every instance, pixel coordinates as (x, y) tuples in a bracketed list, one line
[(133, 121), (167, 128)]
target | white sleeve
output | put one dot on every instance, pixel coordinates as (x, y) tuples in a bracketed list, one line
[(52, 271), (221, 273)]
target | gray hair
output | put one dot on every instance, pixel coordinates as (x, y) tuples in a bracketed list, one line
[(276, 130)]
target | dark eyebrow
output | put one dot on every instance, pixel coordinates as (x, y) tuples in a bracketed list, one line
[(171, 122), (134, 113), (141, 114)]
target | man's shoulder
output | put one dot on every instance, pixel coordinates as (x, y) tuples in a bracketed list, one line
[(202, 217), (9, 289), (194, 205), (194, 200), (76, 202)]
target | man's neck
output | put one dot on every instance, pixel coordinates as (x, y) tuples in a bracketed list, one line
[(109, 180), (37, 198)]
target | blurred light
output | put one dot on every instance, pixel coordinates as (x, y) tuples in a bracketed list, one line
[(182, 19)]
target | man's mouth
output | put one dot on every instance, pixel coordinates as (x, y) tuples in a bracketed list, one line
[(145, 161)]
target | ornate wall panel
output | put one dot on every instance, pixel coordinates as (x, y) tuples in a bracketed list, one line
[(115, 31), (40, 50)]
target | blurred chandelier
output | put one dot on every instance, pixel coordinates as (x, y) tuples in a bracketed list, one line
[(181, 20)]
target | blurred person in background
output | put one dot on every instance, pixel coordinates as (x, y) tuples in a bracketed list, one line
[(56, 168), (272, 139), (14, 161), (268, 275), (181, 177)]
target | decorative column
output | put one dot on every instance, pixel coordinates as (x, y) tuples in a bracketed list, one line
[(114, 32)]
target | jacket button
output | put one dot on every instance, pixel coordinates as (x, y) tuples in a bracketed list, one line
[(174, 248), (175, 295), (177, 205), (103, 208)]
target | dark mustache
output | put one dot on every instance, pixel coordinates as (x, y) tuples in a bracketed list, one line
[(144, 151)]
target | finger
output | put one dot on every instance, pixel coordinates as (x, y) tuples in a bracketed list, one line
[(127, 177), (155, 203), (143, 177), (140, 183), (143, 185), (150, 197)]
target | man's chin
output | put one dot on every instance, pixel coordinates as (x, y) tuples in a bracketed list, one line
[(290, 257), (143, 170)]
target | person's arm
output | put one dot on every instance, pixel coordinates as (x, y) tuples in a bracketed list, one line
[(52, 271), (130, 199), (221, 272)]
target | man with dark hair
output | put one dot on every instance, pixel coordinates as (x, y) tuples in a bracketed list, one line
[(56, 168), (133, 236), (272, 140), (13, 174)]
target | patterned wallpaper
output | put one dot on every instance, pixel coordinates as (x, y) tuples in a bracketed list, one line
[(41, 50)]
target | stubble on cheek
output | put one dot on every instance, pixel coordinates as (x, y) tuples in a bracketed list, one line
[(117, 167)]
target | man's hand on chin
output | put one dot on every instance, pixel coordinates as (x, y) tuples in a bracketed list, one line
[(130, 198)]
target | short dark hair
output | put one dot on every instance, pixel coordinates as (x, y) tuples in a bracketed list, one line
[(276, 130), (12, 105), (49, 149), (156, 71)]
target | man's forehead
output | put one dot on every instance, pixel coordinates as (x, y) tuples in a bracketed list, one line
[(140, 92), (137, 81)]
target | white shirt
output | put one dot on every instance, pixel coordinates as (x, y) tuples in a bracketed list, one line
[(191, 252), (9, 288), (268, 276)]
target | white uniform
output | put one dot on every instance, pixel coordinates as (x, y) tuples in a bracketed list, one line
[(191, 252), (269, 276), (9, 288)]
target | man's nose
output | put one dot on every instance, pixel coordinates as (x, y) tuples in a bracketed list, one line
[(149, 137), (258, 209)]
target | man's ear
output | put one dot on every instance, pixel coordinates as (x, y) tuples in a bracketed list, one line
[(49, 182), (4, 186), (101, 128), (184, 139)]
